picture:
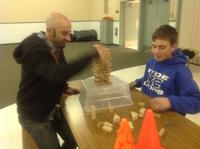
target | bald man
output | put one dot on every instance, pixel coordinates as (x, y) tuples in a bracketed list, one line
[(43, 81)]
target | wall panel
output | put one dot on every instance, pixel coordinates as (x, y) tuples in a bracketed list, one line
[(16, 32), (38, 10), (189, 34)]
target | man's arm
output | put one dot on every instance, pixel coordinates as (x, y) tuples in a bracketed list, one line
[(42, 62)]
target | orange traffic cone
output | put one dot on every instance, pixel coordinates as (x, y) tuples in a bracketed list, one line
[(124, 137), (149, 138)]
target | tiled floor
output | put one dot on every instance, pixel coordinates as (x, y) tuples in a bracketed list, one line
[(10, 130)]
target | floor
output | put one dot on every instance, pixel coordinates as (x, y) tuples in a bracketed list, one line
[(10, 75), (132, 44), (11, 137)]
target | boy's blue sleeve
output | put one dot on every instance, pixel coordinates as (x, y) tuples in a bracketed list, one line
[(187, 99), (139, 82)]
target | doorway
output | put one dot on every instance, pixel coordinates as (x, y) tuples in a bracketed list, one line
[(138, 20), (153, 13), (129, 20)]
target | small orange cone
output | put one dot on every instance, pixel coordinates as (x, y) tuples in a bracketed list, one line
[(124, 137), (149, 138)]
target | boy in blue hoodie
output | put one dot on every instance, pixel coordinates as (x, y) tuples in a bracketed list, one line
[(167, 79)]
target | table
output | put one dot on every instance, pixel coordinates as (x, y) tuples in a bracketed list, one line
[(181, 133)]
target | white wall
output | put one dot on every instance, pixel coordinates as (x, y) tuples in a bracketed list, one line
[(189, 34), (18, 21), (131, 21), (38, 10), (16, 32)]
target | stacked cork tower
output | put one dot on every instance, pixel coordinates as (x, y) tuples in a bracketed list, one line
[(101, 69)]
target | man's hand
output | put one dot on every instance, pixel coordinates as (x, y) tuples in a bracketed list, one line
[(160, 104), (103, 52), (72, 91)]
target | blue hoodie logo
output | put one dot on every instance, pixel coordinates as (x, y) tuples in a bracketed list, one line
[(154, 81)]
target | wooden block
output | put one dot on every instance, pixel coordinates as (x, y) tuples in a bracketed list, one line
[(131, 125), (108, 124), (161, 132), (141, 104), (107, 128), (110, 107), (116, 118), (134, 115), (93, 112), (141, 115), (142, 111), (156, 115), (100, 124)]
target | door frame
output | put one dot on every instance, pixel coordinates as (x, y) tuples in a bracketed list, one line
[(122, 21), (141, 22)]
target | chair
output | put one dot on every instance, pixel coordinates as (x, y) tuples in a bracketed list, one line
[(190, 53)]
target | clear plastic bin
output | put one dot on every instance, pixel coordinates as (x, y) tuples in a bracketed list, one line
[(116, 94)]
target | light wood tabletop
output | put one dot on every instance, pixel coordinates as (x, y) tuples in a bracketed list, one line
[(180, 133)]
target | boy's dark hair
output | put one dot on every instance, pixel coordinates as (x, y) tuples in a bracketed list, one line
[(166, 32)]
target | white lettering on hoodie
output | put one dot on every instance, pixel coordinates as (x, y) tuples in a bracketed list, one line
[(155, 81)]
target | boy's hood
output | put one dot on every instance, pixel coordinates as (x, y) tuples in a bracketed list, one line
[(177, 58)]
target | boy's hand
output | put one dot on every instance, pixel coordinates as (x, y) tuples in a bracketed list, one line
[(160, 104), (132, 84)]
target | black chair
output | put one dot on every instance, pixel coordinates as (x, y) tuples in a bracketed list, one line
[(189, 53)]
